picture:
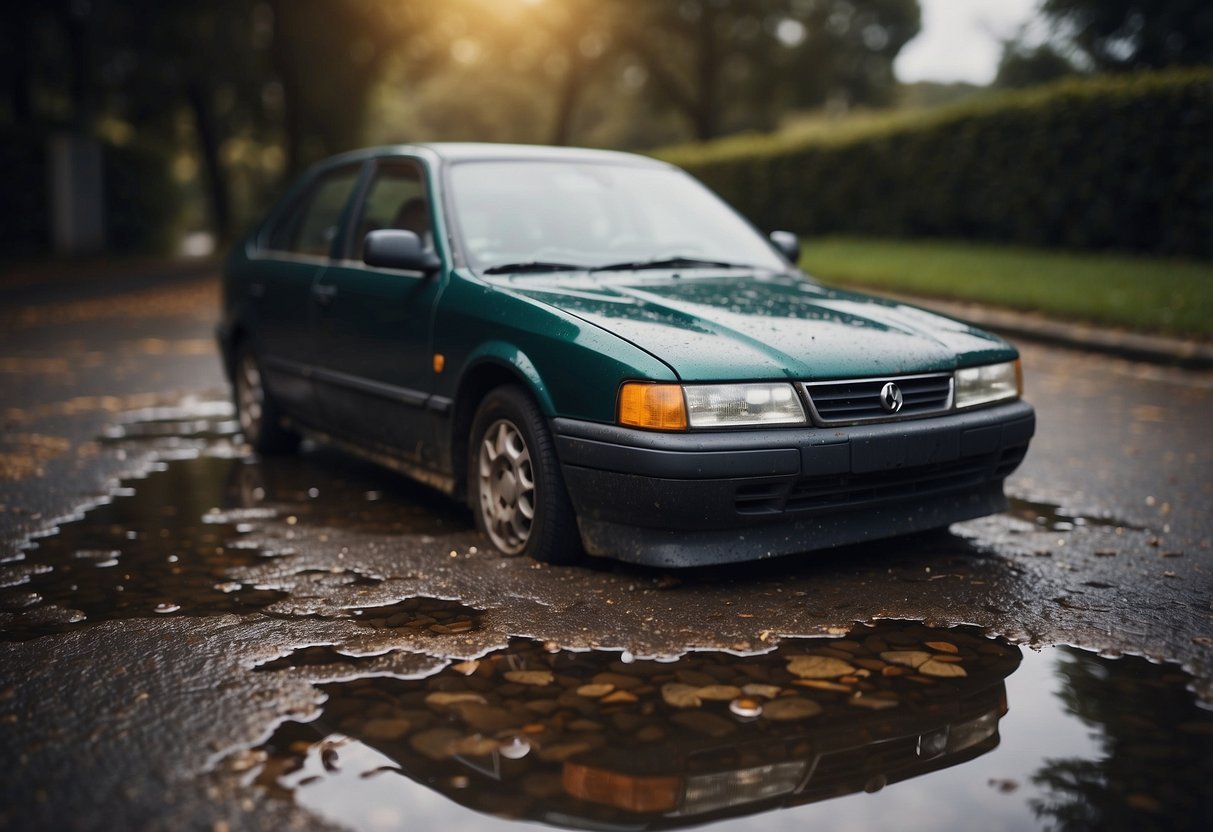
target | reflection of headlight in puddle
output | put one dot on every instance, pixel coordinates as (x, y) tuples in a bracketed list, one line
[(966, 734), (957, 737), (709, 792)]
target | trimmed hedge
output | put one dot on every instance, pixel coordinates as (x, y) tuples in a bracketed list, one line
[(1116, 162)]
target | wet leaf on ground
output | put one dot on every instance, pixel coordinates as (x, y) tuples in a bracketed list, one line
[(442, 699), (679, 695), (818, 667), (906, 658), (790, 708), (535, 678)]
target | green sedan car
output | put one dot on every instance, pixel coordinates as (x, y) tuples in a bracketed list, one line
[(602, 358)]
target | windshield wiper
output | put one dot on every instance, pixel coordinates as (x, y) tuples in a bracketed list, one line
[(534, 266), (671, 262)]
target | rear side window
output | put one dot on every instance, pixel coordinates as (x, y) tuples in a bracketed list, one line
[(314, 222)]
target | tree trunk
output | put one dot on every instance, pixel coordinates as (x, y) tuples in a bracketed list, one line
[(571, 86), (20, 67), (208, 143), (707, 76), (282, 56)]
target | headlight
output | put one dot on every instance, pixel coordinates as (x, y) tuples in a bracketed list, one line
[(734, 405), (711, 792), (991, 383), (675, 407)]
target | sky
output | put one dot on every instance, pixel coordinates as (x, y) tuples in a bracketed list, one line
[(961, 39)]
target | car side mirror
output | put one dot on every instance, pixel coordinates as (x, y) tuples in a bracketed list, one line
[(787, 244), (393, 248)]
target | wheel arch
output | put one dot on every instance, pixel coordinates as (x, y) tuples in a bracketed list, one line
[(497, 365)]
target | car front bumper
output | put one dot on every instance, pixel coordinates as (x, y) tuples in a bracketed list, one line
[(700, 498)]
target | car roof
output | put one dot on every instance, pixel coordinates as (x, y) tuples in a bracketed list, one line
[(487, 151)]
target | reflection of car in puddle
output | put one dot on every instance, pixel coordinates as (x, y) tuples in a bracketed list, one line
[(585, 740)]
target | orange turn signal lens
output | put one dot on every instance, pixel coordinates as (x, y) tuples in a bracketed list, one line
[(623, 791), (653, 406)]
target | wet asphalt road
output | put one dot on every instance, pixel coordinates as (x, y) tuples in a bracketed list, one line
[(130, 700)]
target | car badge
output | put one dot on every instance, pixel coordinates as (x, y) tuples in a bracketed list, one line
[(890, 398)]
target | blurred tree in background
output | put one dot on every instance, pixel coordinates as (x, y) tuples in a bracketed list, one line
[(1089, 36), (1122, 35), (237, 96), (229, 99)]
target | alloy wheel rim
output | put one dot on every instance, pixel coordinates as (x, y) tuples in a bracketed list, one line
[(507, 487), (250, 397)]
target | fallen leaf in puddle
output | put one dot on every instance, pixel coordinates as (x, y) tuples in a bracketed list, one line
[(435, 743), (585, 726), (650, 733), (790, 708), (821, 684), (475, 746), (619, 697), (873, 703), (908, 658), (818, 667), (536, 678), (562, 751), (385, 729), (679, 695), (488, 719), (619, 680), (1143, 802), (442, 699), (454, 628)]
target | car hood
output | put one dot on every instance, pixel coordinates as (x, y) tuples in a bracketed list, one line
[(711, 327)]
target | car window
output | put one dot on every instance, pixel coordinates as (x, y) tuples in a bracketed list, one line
[(594, 214), (312, 225), (396, 199)]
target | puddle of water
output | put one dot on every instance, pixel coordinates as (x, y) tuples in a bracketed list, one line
[(790, 739), (149, 551), (1055, 518), (167, 543)]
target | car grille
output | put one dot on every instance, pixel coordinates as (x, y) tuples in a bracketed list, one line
[(836, 491), (858, 400)]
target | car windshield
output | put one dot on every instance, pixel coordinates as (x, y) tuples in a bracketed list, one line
[(547, 216)]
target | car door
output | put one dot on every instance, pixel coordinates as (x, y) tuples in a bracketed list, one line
[(294, 251), (374, 370)]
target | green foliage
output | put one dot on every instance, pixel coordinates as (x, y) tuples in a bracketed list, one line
[(1119, 162), (1142, 293), (1136, 34), (143, 203), (1023, 66)]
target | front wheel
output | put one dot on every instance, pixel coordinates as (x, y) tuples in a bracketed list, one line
[(516, 490), (259, 419)]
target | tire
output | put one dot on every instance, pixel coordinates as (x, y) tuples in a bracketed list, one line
[(259, 418), (515, 487)]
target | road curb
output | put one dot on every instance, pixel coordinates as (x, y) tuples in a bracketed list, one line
[(1156, 349)]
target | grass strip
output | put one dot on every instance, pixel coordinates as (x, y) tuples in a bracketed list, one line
[(1146, 294)]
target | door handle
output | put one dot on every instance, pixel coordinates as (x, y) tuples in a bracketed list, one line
[(324, 293)]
